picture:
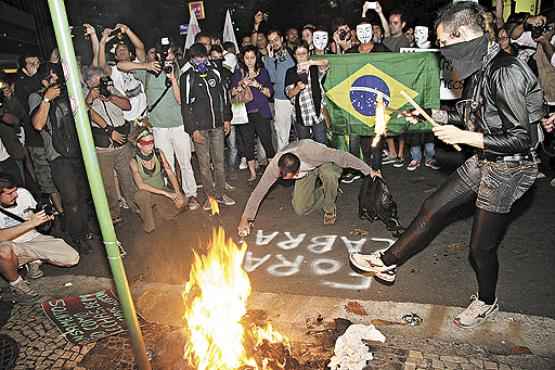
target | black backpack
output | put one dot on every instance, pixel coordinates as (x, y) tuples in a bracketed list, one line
[(375, 202), (63, 132)]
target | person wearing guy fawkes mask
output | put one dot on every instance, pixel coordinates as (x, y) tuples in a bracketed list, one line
[(206, 112), (320, 40), (501, 108), (164, 113)]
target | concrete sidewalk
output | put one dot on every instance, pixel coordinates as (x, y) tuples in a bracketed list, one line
[(509, 341)]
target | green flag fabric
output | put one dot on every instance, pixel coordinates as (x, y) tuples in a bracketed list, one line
[(352, 83)]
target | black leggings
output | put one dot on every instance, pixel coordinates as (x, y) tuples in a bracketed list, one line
[(261, 126), (487, 232)]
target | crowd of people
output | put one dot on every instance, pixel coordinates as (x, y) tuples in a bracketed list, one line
[(170, 124)]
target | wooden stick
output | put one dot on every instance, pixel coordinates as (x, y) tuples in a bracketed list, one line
[(424, 114)]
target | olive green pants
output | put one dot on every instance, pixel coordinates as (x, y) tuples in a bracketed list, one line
[(317, 190)]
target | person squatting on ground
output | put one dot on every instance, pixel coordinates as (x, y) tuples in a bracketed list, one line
[(316, 169), (151, 172), (501, 107), (161, 86), (22, 245)]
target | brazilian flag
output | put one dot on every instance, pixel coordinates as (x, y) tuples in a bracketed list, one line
[(353, 81)]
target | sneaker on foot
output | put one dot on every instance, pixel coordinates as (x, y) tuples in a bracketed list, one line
[(24, 294), (373, 263), (228, 187), (226, 200), (552, 183), (33, 270), (350, 178), (390, 159), (413, 165), (540, 175), (123, 204), (243, 165), (432, 163), (193, 203), (475, 313), (399, 163)]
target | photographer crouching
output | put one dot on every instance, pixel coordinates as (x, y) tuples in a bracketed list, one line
[(22, 244), (110, 132)]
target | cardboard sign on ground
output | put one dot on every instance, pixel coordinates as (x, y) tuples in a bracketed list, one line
[(86, 318)]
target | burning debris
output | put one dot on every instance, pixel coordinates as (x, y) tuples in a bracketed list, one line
[(219, 334)]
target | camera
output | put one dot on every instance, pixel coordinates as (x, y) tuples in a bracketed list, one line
[(344, 34), (46, 207), (537, 31), (167, 65), (105, 86)]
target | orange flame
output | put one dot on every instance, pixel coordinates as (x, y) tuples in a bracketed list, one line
[(216, 302), (214, 206)]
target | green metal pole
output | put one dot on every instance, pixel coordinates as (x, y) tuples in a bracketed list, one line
[(67, 54)]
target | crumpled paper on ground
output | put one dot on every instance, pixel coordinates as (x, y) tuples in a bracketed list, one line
[(350, 352)]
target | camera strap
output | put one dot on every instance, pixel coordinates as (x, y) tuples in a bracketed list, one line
[(11, 215), (151, 108)]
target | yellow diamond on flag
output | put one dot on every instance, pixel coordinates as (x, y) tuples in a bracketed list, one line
[(357, 93)]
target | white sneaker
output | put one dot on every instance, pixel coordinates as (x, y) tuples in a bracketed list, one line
[(552, 183), (226, 200), (123, 204), (243, 164), (475, 313), (373, 263), (540, 175)]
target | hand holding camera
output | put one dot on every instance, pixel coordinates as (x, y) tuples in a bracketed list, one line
[(40, 218)]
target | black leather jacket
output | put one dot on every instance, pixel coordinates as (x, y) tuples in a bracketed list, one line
[(504, 101)]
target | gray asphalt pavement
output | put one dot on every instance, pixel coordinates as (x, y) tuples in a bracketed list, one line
[(299, 255)]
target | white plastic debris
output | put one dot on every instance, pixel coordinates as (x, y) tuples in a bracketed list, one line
[(350, 352)]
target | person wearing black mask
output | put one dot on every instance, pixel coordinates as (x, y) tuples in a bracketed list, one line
[(501, 108)]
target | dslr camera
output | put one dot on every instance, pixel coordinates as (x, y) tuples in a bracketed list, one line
[(106, 84), (47, 208), (537, 31), (167, 65)]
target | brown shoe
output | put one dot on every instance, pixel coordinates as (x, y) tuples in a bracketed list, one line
[(330, 217)]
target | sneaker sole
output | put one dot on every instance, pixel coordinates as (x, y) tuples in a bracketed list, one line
[(458, 324), (378, 276)]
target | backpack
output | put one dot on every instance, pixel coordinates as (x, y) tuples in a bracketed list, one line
[(63, 132), (375, 202)]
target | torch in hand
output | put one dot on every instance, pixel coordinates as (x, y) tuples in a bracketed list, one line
[(381, 123)]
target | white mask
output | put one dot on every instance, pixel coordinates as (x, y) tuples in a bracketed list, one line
[(320, 40), (420, 34), (364, 33)]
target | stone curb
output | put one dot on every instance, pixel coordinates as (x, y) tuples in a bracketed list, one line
[(162, 303)]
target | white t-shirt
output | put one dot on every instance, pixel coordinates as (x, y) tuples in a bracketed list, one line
[(133, 89), (24, 202)]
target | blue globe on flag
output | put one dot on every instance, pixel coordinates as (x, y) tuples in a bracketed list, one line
[(363, 94)]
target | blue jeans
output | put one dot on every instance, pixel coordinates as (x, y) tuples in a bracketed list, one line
[(416, 152), (316, 132)]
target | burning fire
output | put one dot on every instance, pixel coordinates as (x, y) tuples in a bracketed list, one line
[(214, 207), (216, 304)]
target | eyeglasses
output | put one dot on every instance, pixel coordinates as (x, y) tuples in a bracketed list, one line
[(146, 142)]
